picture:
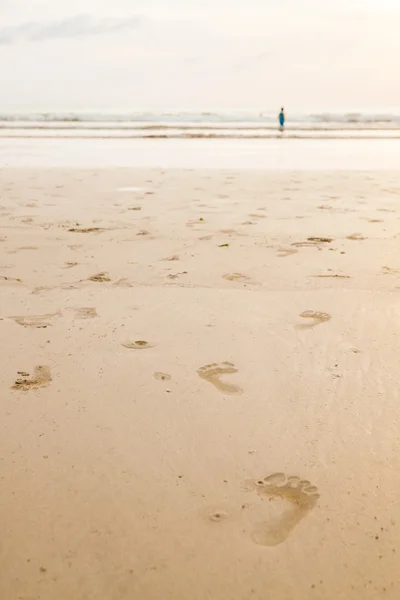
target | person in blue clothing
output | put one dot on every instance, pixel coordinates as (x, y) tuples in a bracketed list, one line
[(282, 119)]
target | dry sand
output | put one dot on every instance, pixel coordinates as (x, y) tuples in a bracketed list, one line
[(198, 385)]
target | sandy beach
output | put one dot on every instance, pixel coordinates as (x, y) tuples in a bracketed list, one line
[(198, 384)]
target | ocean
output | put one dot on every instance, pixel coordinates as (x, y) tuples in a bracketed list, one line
[(197, 125)]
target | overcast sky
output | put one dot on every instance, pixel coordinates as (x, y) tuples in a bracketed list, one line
[(186, 54)]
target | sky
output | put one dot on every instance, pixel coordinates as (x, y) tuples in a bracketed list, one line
[(191, 55)]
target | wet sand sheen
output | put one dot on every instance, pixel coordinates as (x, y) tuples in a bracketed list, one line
[(182, 387)]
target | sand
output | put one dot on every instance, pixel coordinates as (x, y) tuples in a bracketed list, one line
[(276, 154), (199, 390)]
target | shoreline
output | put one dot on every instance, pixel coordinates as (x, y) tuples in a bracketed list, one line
[(273, 154)]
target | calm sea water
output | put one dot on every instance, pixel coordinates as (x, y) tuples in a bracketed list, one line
[(187, 125)]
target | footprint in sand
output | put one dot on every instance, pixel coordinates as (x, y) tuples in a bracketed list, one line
[(40, 289), (171, 258), (23, 248), (138, 345), (216, 515), (99, 278), (299, 497), (316, 317), (212, 373), (239, 277), (176, 275), (86, 230), (231, 232), (284, 252), (320, 240), (162, 376), (195, 222), (313, 241), (356, 237), (41, 378), (123, 283), (36, 321), (333, 276), (257, 216), (387, 270), (15, 279), (84, 312)]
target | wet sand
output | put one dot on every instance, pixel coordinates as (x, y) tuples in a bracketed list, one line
[(237, 154), (198, 385)]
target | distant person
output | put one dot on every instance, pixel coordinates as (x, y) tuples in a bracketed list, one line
[(282, 119)]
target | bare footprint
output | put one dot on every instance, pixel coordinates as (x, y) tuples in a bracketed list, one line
[(316, 317), (23, 248), (284, 252), (333, 276), (41, 378), (15, 279), (176, 275), (299, 497), (171, 258), (138, 345), (387, 270), (312, 241), (162, 376), (195, 222), (86, 230), (212, 373), (304, 244), (215, 515), (99, 278), (240, 277), (84, 312), (40, 289), (123, 283), (320, 240), (356, 237), (36, 321)]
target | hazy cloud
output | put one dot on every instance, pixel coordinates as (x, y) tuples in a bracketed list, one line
[(78, 26), (173, 54)]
